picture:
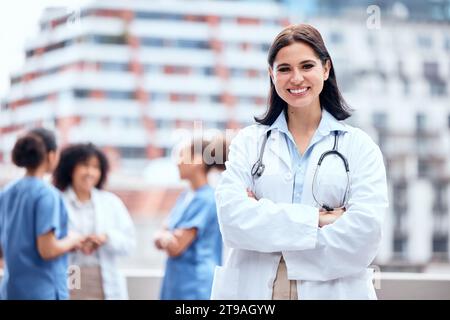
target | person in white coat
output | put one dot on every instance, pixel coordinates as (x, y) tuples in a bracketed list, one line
[(302, 199), (98, 215)]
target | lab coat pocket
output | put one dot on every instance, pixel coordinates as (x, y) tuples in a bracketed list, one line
[(331, 182), (359, 286), (225, 283)]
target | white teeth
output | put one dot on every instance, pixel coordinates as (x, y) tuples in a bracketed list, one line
[(297, 91)]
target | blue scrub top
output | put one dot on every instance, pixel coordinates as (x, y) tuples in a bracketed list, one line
[(190, 275), (29, 208)]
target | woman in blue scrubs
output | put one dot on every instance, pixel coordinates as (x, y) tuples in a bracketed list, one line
[(192, 237), (33, 225)]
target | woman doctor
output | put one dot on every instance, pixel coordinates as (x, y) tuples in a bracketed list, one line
[(297, 229), (98, 215)]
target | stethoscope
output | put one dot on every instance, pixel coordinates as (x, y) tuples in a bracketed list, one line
[(259, 167)]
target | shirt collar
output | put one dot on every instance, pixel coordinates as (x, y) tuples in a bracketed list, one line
[(327, 124), (73, 199)]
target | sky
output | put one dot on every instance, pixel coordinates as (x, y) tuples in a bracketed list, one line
[(19, 21)]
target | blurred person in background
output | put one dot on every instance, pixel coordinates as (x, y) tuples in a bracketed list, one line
[(34, 225), (302, 200), (98, 215), (191, 236)]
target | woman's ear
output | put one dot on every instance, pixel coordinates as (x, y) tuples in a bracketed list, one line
[(326, 70), (270, 70), (52, 160)]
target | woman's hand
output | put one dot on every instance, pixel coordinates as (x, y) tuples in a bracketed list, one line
[(251, 194), (93, 242), (76, 240), (162, 238), (329, 217)]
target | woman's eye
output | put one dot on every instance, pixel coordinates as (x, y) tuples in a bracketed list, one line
[(283, 69), (308, 66)]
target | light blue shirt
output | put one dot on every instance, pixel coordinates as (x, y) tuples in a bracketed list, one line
[(299, 162), (190, 275), (29, 208)]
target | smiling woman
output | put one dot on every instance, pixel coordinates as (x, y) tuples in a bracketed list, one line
[(100, 217), (296, 232), (298, 62)]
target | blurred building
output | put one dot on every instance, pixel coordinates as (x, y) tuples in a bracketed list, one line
[(127, 74), (397, 79)]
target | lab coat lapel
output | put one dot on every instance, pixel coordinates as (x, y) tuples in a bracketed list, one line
[(97, 210), (277, 145), (319, 148)]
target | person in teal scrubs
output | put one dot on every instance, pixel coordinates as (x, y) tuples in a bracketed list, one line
[(33, 225), (192, 237)]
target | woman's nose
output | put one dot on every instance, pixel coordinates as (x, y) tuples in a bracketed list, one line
[(297, 77), (91, 171)]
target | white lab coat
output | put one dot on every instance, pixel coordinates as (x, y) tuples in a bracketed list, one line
[(113, 219), (328, 263)]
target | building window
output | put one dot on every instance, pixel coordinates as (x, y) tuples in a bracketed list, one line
[(440, 247), (153, 68), (447, 42), (207, 71), (438, 87), (152, 42), (423, 168), (440, 220), (379, 120), (235, 72), (132, 152), (112, 66), (400, 209), (424, 42), (177, 70), (399, 245), (431, 70), (158, 96), (81, 93), (119, 95), (149, 15), (108, 39), (196, 44), (165, 124), (421, 122)]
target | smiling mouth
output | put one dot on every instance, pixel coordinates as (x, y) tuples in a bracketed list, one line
[(299, 92)]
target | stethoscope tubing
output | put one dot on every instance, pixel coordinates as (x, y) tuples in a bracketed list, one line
[(259, 167)]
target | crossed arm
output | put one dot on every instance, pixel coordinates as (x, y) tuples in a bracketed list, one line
[(174, 242)]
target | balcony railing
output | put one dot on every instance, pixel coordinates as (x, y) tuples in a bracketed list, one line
[(145, 284)]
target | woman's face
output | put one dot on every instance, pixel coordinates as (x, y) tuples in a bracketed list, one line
[(298, 75), (86, 175)]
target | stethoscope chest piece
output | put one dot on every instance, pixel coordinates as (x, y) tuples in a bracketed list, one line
[(258, 168)]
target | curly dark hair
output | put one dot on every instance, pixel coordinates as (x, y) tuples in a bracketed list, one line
[(71, 156)]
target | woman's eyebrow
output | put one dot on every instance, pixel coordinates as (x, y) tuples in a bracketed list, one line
[(307, 61), (300, 63)]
